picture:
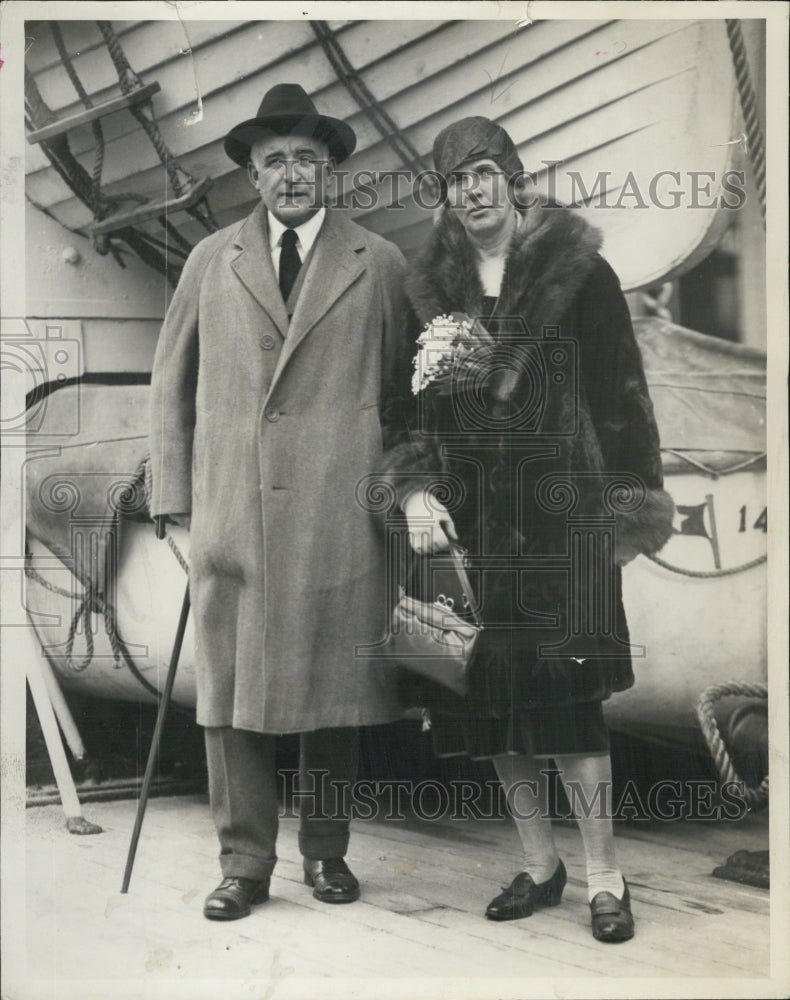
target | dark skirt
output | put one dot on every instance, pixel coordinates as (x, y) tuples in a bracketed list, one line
[(519, 701), (540, 731)]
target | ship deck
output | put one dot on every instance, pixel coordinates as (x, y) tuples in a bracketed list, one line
[(417, 931)]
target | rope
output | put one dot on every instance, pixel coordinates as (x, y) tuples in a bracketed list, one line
[(88, 187), (755, 798), (180, 179), (657, 301), (68, 65), (366, 100), (77, 179), (90, 601), (98, 134), (713, 473), (751, 119), (127, 77), (173, 233), (130, 81), (709, 574), (161, 244), (178, 554), (201, 211)]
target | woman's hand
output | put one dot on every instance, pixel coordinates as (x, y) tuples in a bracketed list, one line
[(431, 528)]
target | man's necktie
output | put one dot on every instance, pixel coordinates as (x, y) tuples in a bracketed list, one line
[(290, 262)]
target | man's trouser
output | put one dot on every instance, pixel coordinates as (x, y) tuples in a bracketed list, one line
[(243, 791)]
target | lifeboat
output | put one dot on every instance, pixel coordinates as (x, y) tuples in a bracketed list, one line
[(612, 117)]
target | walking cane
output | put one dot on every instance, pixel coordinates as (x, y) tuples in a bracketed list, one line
[(153, 753)]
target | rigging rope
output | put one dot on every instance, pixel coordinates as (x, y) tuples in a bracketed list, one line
[(707, 574), (77, 179), (129, 80), (713, 473), (90, 601), (364, 97), (748, 101), (88, 187), (98, 134), (755, 798)]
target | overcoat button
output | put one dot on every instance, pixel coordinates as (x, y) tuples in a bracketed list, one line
[(273, 415), (268, 342)]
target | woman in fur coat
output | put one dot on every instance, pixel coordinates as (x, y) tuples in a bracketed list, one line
[(533, 445)]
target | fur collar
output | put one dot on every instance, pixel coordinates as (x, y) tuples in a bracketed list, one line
[(549, 258)]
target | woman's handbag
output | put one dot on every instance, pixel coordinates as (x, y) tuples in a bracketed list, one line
[(431, 638)]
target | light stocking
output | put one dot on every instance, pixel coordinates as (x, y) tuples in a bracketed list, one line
[(526, 789), (587, 780)]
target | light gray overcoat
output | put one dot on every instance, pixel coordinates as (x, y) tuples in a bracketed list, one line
[(263, 432)]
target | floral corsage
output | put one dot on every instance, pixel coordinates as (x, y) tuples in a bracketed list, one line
[(450, 350), (456, 354)]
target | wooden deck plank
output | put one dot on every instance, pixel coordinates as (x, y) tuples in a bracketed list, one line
[(687, 871), (424, 888), (471, 891)]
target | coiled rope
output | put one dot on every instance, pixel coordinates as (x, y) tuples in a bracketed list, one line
[(757, 797)]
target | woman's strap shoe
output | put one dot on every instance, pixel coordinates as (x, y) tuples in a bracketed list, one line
[(523, 894), (611, 917), (234, 896)]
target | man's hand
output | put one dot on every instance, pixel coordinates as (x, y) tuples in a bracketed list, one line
[(431, 528), (182, 520)]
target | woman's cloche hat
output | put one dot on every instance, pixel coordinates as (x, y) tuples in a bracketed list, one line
[(287, 109)]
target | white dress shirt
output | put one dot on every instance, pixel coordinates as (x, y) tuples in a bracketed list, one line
[(306, 235)]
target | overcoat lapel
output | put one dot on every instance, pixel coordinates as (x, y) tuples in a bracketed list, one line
[(254, 267), (334, 268)]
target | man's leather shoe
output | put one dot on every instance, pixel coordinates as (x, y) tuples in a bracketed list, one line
[(611, 917), (523, 894), (331, 880), (233, 898)]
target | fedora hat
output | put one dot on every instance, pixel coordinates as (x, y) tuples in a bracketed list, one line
[(287, 109)]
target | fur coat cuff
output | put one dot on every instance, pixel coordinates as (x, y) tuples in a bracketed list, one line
[(648, 529)]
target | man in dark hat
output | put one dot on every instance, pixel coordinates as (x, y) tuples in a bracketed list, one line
[(283, 335)]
